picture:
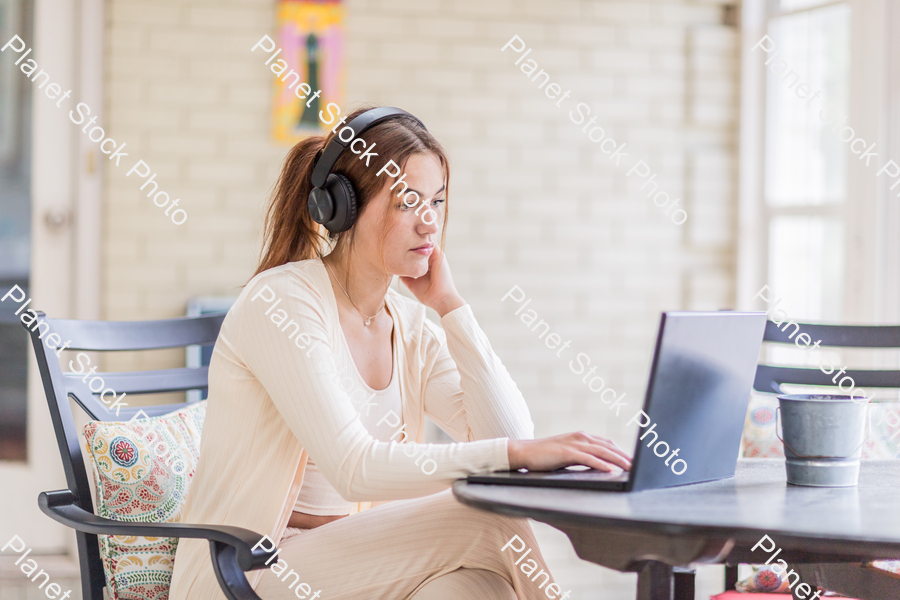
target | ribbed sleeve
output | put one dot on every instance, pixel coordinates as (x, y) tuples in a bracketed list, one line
[(323, 418), (468, 391)]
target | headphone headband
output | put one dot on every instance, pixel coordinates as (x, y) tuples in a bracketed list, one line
[(336, 145)]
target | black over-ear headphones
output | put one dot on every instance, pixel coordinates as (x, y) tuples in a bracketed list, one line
[(332, 201)]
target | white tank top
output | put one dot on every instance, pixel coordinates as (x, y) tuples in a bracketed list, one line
[(317, 496)]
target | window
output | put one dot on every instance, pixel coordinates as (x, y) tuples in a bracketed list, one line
[(805, 163)]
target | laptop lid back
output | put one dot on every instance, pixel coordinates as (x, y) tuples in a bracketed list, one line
[(697, 398)]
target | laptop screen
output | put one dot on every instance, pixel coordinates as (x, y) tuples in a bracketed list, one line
[(697, 397)]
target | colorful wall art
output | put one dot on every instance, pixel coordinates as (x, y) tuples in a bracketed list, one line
[(311, 34)]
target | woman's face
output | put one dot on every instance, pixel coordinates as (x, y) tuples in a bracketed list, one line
[(408, 242)]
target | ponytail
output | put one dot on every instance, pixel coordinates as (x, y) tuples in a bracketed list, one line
[(290, 232)]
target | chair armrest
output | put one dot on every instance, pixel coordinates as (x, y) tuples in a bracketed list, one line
[(62, 506)]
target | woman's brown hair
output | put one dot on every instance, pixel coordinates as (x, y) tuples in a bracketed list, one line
[(290, 232)]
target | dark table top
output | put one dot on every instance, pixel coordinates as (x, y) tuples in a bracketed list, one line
[(725, 517)]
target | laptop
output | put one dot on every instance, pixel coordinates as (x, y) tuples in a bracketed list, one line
[(700, 381)]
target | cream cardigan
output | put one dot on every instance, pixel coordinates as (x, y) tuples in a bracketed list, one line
[(271, 405)]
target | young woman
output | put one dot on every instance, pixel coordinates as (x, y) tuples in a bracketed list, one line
[(319, 385)]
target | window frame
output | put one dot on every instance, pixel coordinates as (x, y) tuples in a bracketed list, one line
[(870, 213)]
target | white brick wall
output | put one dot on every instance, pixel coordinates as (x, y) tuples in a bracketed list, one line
[(534, 202)]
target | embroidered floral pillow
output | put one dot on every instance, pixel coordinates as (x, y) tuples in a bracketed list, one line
[(888, 567), (142, 471), (764, 579)]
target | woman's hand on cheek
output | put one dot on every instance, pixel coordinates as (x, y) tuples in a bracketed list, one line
[(435, 289)]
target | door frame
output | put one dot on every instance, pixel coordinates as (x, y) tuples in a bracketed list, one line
[(66, 230)]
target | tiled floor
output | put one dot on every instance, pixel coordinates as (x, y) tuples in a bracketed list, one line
[(15, 586)]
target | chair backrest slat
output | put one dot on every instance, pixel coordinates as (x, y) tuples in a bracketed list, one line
[(769, 378), (59, 386), (844, 336), (798, 376), (139, 335), (147, 382)]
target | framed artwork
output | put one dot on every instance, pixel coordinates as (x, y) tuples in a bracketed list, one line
[(311, 36)]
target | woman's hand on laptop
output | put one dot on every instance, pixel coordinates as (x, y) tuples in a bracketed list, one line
[(565, 450)]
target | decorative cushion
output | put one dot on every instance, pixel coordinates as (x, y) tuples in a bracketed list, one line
[(764, 580), (142, 472), (759, 439), (887, 567)]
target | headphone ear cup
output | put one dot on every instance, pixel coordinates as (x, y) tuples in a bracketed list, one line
[(344, 196), (320, 205)]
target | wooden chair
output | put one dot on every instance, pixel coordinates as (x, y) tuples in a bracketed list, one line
[(769, 379), (231, 548)]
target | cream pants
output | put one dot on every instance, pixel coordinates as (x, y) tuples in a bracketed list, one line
[(430, 548)]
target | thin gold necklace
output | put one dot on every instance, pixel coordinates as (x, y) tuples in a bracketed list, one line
[(368, 318)]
